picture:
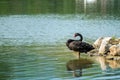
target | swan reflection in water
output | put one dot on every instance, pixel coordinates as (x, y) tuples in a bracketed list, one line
[(107, 64), (77, 65)]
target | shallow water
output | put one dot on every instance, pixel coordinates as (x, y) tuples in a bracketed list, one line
[(50, 63), (32, 39)]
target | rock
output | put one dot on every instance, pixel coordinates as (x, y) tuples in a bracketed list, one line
[(104, 47), (107, 47), (93, 52), (115, 50), (98, 42), (114, 41)]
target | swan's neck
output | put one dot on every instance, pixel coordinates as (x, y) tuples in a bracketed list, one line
[(81, 37)]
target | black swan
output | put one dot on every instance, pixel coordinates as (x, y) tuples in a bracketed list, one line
[(78, 45)]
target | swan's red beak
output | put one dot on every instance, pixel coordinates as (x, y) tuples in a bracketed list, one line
[(74, 36)]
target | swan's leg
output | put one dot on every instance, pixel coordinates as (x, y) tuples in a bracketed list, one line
[(79, 55)]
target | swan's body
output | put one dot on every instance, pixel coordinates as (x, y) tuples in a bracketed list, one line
[(78, 45)]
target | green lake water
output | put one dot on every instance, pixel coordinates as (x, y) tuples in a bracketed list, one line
[(33, 35)]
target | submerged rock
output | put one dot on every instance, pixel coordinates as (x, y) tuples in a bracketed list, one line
[(108, 62)]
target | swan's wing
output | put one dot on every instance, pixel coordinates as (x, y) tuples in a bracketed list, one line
[(75, 45), (85, 47), (68, 43)]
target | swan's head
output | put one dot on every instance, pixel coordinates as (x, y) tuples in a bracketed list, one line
[(77, 34)]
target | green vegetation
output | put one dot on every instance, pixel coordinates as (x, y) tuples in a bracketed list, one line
[(100, 7), (36, 6)]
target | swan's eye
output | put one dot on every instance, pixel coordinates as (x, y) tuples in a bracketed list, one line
[(75, 35)]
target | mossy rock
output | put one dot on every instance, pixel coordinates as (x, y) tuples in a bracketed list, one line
[(114, 41)]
